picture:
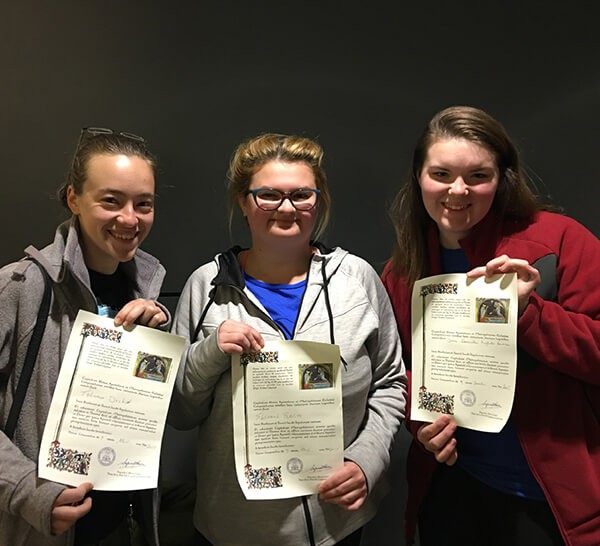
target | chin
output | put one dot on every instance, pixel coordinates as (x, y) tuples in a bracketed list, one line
[(125, 256)]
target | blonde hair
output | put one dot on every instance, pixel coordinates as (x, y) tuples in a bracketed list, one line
[(252, 155)]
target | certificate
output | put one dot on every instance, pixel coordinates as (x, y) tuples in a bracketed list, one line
[(109, 406), (464, 359), (287, 418)]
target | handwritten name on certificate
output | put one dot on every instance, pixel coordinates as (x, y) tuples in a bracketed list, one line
[(110, 404), (464, 339), (287, 418)]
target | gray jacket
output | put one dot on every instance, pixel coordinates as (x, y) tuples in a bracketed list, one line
[(362, 323), (26, 501)]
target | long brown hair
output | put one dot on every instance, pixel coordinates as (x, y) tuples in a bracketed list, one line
[(411, 221)]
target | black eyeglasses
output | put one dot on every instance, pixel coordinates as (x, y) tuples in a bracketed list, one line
[(88, 132), (271, 199)]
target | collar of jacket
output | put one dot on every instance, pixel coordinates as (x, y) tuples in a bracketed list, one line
[(481, 242), (144, 271), (230, 270)]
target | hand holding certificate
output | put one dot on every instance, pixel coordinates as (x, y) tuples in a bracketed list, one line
[(464, 349), (110, 404), (287, 410)]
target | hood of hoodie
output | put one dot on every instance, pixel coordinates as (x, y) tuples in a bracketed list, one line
[(230, 270)]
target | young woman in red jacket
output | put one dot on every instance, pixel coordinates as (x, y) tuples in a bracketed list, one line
[(466, 207)]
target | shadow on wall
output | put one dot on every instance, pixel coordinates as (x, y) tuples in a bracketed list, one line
[(387, 527), (177, 485)]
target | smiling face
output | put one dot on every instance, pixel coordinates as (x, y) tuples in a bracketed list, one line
[(458, 183), (285, 224), (115, 209)]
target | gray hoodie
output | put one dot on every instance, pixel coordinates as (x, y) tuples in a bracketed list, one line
[(360, 320), (26, 501)]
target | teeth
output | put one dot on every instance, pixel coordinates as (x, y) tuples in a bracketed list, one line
[(123, 236), (455, 207)]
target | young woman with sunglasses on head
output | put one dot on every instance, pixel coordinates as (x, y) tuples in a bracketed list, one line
[(94, 264), (467, 208), (287, 286)]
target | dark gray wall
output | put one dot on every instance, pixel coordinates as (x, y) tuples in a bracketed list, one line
[(196, 78)]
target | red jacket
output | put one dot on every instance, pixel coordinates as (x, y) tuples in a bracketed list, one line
[(557, 400)]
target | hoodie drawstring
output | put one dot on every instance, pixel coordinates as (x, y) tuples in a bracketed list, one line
[(211, 299), (329, 312)]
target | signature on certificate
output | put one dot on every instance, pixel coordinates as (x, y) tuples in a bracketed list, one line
[(119, 400), (90, 393), (131, 464), (318, 468)]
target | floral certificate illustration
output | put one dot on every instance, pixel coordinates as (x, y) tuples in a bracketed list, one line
[(110, 404), (287, 412), (464, 349)]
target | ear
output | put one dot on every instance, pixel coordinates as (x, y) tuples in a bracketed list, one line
[(243, 204), (72, 200)]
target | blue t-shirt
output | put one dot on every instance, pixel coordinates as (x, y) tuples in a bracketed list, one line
[(282, 301), (495, 459)]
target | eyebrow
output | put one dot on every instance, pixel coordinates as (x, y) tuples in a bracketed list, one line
[(120, 192), (282, 191), (451, 168)]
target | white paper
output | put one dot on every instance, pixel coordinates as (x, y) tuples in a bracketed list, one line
[(109, 406), (287, 411), (464, 359)]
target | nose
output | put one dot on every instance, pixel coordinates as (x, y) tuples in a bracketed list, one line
[(458, 187), (127, 215), (286, 204)]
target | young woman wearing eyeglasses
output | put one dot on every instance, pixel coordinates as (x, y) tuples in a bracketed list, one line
[(287, 286), (94, 264)]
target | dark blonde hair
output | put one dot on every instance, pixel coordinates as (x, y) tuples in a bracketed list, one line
[(92, 144), (513, 197), (252, 155)]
